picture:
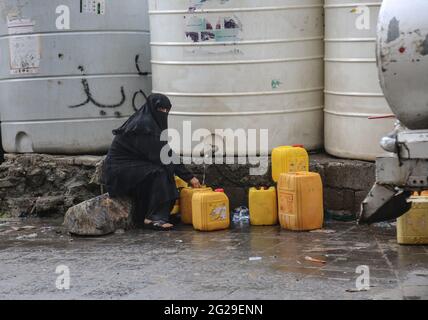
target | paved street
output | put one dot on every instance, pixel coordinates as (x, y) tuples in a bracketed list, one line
[(241, 263)]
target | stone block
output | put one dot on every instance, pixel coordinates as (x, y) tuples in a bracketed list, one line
[(98, 216), (46, 205)]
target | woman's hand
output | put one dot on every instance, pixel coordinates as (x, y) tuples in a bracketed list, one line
[(195, 183)]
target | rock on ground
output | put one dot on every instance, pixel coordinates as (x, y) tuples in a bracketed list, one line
[(98, 216)]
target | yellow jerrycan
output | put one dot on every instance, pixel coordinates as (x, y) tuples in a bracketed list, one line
[(210, 211), (300, 201), (263, 206), (412, 228), (176, 208), (180, 184), (289, 159), (186, 196)]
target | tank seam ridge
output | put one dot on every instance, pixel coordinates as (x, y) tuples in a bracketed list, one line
[(350, 39), (177, 113), (352, 60), (351, 114), (231, 62), (352, 5), (200, 11), (362, 94), (68, 33), (237, 94), (248, 113), (233, 43), (86, 76), (40, 121)]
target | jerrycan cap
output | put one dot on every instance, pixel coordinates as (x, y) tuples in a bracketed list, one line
[(221, 190), (298, 146)]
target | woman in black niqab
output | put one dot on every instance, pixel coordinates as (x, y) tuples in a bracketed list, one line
[(133, 166)]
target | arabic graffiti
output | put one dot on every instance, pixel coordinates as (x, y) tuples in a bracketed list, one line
[(90, 98)]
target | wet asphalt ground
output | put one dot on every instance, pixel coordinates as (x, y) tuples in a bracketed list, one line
[(241, 263)]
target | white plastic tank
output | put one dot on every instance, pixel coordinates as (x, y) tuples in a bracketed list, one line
[(1, 150), (403, 59), (352, 90), (241, 65), (69, 71)]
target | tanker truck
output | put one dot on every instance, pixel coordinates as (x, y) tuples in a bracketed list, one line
[(402, 58)]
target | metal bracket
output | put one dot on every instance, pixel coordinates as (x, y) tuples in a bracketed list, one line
[(384, 203)]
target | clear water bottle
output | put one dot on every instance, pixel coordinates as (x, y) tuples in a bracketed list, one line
[(241, 215)]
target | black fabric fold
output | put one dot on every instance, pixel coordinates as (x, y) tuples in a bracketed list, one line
[(134, 167)]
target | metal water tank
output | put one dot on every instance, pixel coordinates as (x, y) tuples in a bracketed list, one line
[(352, 90), (403, 60), (241, 65), (69, 71), (1, 150)]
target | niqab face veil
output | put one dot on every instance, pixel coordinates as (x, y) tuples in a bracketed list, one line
[(149, 119), (157, 101)]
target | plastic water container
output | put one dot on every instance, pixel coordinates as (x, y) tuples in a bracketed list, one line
[(289, 159), (241, 216), (180, 183), (412, 228), (176, 209), (300, 201), (210, 211), (263, 206), (241, 64), (69, 72), (186, 196)]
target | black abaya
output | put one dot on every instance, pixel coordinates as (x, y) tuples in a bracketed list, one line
[(133, 166)]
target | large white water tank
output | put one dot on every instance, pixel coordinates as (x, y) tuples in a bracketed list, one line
[(241, 64), (69, 70), (352, 90), (403, 59)]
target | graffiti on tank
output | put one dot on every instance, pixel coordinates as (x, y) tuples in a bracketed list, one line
[(90, 98), (137, 66)]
